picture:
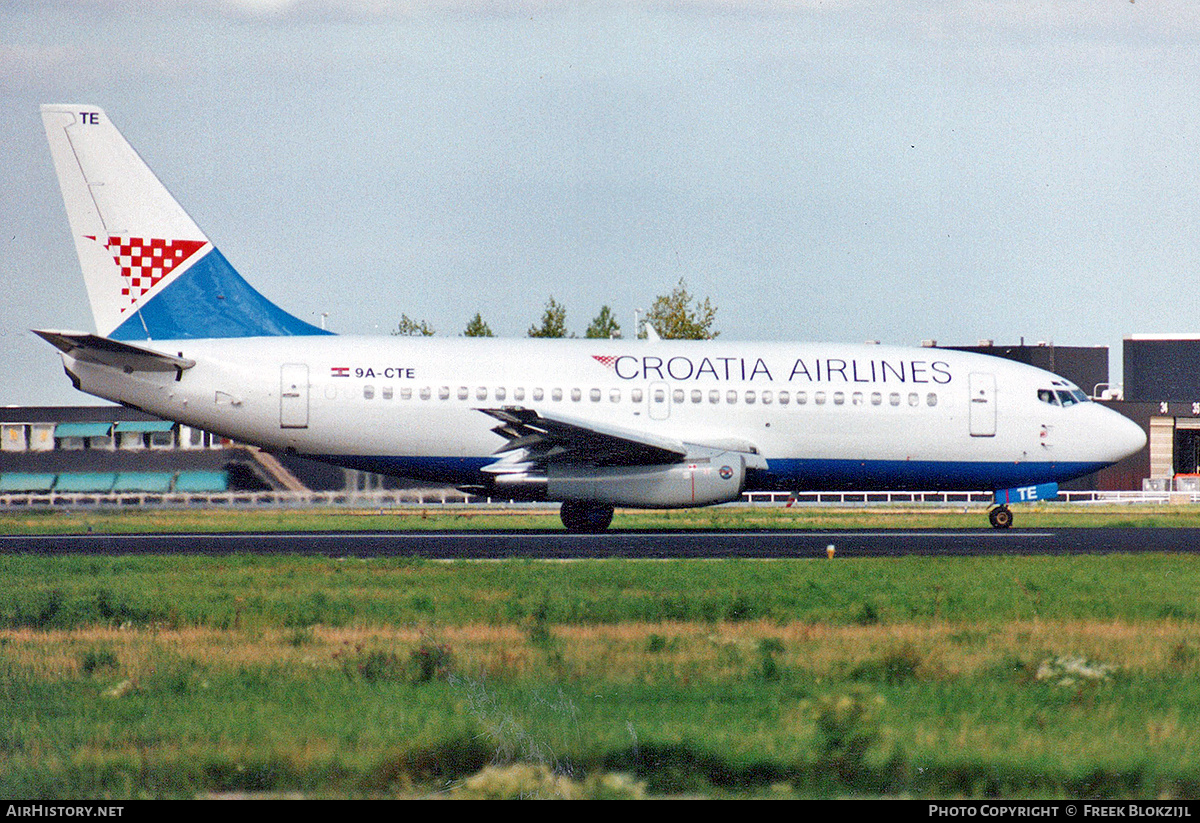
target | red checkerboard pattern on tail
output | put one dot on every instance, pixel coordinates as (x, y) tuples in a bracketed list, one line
[(146, 261)]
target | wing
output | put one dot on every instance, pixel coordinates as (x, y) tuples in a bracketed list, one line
[(540, 439)]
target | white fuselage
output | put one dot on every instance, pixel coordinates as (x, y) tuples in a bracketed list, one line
[(821, 415)]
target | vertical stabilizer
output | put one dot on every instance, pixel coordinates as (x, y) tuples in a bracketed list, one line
[(150, 272)]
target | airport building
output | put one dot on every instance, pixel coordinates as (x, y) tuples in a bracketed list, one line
[(1162, 392), (114, 450)]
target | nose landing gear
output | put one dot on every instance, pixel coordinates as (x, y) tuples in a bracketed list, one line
[(1000, 517)]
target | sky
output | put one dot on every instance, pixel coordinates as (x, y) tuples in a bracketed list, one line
[(827, 170)]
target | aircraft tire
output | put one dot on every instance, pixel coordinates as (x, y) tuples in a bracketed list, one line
[(1000, 517), (585, 516)]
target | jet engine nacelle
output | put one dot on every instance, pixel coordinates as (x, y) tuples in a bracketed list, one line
[(698, 482)]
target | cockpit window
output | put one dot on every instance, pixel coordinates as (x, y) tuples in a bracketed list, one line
[(1062, 397)]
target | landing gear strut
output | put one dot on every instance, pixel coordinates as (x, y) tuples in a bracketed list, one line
[(1000, 517), (585, 516)]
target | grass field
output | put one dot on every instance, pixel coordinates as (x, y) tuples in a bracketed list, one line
[(772, 516), (318, 677)]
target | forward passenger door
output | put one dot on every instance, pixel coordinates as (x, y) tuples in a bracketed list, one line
[(983, 404)]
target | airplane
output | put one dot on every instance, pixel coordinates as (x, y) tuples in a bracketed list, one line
[(592, 424)]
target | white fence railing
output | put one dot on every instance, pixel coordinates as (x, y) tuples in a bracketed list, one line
[(450, 497), (955, 498)]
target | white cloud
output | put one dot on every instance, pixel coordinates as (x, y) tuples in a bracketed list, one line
[(1178, 17)]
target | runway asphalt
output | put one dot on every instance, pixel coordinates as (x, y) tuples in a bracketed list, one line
[(479, 545)]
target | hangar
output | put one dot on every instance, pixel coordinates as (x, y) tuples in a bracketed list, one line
[(1162, 392)]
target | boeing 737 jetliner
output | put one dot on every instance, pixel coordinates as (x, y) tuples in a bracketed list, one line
[(591, 423)]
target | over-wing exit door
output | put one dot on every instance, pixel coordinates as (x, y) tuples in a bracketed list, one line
[(660, 401)]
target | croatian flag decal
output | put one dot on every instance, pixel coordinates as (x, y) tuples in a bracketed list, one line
[(146, 261), (339, 371)]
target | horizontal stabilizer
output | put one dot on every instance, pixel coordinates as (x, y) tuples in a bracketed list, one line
[(92, 348)]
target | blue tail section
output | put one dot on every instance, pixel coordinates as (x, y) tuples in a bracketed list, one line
[(150, 272), (210, 299)]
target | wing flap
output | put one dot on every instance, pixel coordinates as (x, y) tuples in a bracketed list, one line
[(558, 438)]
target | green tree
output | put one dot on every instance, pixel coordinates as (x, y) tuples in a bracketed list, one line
[(554, 321), (604, 326), (478, 328), (675, 317), (412, 328)]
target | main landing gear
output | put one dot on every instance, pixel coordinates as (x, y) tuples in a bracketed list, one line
[(585, 516), (1000, 517)]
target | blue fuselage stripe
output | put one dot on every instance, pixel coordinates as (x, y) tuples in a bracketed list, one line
[(869, 475), (784, 474)]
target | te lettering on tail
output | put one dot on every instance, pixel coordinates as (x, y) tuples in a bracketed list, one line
[(150, 272)]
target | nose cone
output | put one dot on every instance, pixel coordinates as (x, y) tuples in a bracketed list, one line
[(1123, 436)]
